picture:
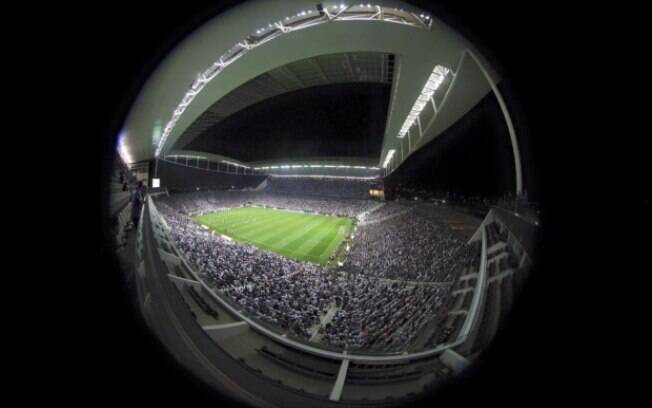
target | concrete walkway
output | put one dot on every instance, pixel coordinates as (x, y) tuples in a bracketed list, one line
[(323, 321), (365, 213), (389, 217), (412, 282)]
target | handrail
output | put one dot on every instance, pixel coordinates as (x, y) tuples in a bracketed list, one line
[(339, 356)]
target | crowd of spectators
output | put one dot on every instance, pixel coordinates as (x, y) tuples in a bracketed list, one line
[(319, 187), (406, 247), (475, 204), (367, 312), (206, 201), (380, 316), (327, 206)]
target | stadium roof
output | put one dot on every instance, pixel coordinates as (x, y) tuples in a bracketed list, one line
[(319, 71), (345, 120), (280, 42)]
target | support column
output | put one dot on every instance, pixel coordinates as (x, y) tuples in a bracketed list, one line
[(472, 321), (454, 361), (510, 126), (336, 392)]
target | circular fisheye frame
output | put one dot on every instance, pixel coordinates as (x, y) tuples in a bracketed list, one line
[(323, 204)]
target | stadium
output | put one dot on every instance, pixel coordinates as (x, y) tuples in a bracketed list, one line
[(324, 204)]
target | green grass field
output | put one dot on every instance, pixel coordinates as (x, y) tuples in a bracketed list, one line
[(305, 237)]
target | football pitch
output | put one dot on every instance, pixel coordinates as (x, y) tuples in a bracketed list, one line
[(305, 237)]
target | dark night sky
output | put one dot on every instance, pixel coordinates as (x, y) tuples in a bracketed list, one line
[(472, 157), (331, 120)]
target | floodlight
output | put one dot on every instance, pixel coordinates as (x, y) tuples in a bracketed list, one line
[(433, 82)]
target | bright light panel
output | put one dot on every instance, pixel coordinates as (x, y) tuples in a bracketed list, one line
[(434, 81)]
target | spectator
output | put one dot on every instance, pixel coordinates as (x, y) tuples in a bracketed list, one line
[(394, 281), (137, 200)]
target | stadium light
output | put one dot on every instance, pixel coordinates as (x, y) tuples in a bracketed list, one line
[(432, 84), (310, 166), (123, 150), (388, 158), (323, 176)]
